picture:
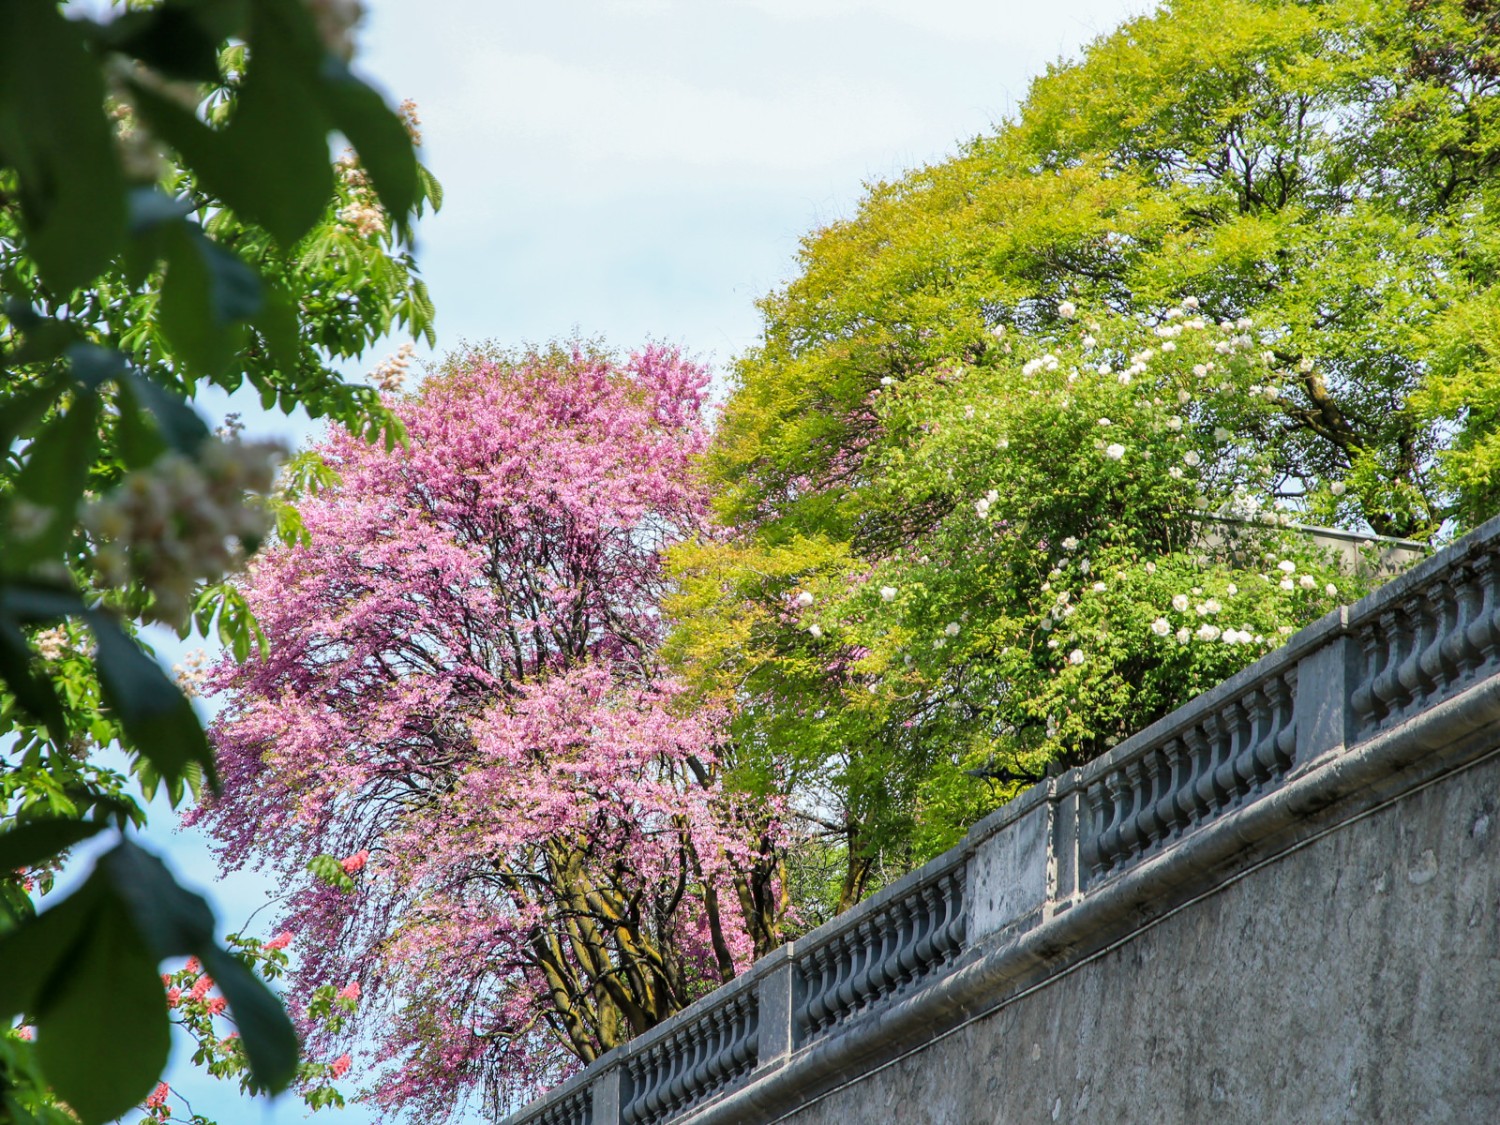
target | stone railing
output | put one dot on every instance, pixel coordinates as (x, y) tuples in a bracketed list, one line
[(1077, 861), (903, 935)]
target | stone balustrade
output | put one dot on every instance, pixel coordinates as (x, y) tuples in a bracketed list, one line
[(1075, 862)]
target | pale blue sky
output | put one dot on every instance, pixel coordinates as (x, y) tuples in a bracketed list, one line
[(643, 170)]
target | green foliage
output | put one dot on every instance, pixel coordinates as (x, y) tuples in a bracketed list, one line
[(168, 218), (1317, 177)]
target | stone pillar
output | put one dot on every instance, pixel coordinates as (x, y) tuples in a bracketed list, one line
[(1324, 678), (1064, 877), (606, 1091), (775, 1002), (1009, 866)]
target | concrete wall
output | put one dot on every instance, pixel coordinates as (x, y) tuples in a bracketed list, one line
[(1356, 978)]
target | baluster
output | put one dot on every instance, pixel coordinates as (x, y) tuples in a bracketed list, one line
[(1152, 784), (718, 1070), (690, 1050), (1286, 739), (817, 989), (1388, 687), (1266, 705), (958, 927), (1484, 630), (640, 1090), (958, 924), (1242, 714), (1131, 837), (921, 924), (630, 1095), (710, 1072), (1362, 700), (694, 1050), (1255, 718), (1120, 812), (1101, 812), (1229, 740), (1457, 652), (900, 933), (695, 1045), (838, 966), (660, 1075), (1260, 741), (1219, 793), (866, 938), (1173, 805), (1197, 737), (881, 979), (661, 1097), (1438, 670), (850, 960), (1415, 684), (946, 942), (747, 1053), (932, 909)]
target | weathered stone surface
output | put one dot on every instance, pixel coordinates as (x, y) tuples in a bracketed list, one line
[(1008, 874), (1354, 979)]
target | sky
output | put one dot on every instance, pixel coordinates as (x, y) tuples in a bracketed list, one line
[(643, 170)]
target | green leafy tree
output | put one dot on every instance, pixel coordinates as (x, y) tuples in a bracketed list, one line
[(170, 218), (1318, 179)]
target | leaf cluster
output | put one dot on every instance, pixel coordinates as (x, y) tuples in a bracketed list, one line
[(169, 218)]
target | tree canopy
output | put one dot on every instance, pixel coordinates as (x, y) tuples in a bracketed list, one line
[(1234, 262), (462, 684)]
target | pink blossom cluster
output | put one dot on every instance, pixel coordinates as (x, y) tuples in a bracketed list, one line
[(462, 677), (156, 1101)]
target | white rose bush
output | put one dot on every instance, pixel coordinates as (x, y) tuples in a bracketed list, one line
[(1106, 533)]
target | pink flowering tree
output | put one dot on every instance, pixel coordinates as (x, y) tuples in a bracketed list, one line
[(460, 694)]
